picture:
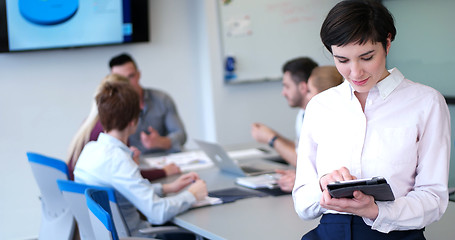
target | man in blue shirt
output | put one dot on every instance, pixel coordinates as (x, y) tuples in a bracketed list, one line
[(160, 128)]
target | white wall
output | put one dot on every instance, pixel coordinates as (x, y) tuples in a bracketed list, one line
[(45, 96)]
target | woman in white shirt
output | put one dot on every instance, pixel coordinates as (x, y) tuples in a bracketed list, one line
[(376, 123)]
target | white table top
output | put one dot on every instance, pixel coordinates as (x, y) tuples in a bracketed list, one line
[(252, 218), (267, 217)]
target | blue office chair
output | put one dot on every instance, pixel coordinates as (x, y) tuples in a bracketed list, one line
[(74, 195), (100, 215), (57, 222)]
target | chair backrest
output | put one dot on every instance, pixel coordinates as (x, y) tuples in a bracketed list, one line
[(100, 214), (46, 171), (57, 221), (74, 194)]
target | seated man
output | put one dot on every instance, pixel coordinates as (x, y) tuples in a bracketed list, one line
[(295, 89), (321, 79), (108, 162), (160, 128)]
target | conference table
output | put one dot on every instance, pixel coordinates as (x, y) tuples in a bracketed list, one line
[(268, 217)]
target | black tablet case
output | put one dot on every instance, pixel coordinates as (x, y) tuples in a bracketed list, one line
[(376, 187)]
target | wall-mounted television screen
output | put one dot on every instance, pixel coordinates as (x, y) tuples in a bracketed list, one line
[(28, 25)]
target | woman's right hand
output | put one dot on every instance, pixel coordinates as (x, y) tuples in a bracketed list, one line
[(198, 189), (341, 174), (180, 183)]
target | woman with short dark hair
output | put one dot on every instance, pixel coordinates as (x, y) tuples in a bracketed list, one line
[(376, 123)]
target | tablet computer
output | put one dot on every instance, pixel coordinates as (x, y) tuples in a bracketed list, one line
[(376, 187)]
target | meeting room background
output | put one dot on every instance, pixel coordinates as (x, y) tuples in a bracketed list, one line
[(46, 94)]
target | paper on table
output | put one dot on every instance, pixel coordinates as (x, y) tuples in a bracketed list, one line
[(207, 201), (260, 181), (187, 161)]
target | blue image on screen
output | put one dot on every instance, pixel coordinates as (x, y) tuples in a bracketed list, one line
[(49, 12), (75, 24)]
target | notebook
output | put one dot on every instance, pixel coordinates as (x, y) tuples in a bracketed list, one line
[(222, 160)]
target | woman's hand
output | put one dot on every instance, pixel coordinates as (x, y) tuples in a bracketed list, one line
[(361, 205), (180, 183), (341, 174), (199, 190)]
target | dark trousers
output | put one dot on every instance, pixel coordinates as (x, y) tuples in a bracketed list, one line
[(349, 227)]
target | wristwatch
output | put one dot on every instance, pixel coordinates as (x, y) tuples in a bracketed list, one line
[(272, 141)]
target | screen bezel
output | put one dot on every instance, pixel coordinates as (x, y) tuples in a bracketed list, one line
[(139, 19)]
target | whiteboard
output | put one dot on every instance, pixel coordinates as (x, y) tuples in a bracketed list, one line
[(261, 35)]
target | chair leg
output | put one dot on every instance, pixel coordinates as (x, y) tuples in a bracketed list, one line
[(62, 227), (76, 235)]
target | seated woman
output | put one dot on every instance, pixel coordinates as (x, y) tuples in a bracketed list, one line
[(108, 162), (91, 128)]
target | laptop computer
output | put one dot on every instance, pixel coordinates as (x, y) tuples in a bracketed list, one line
[(223, 161)]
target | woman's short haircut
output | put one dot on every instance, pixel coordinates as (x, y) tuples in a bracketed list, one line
[(118, 105), (357, 21), (325, 77)]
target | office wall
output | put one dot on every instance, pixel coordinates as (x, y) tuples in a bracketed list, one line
[(46, 95)]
